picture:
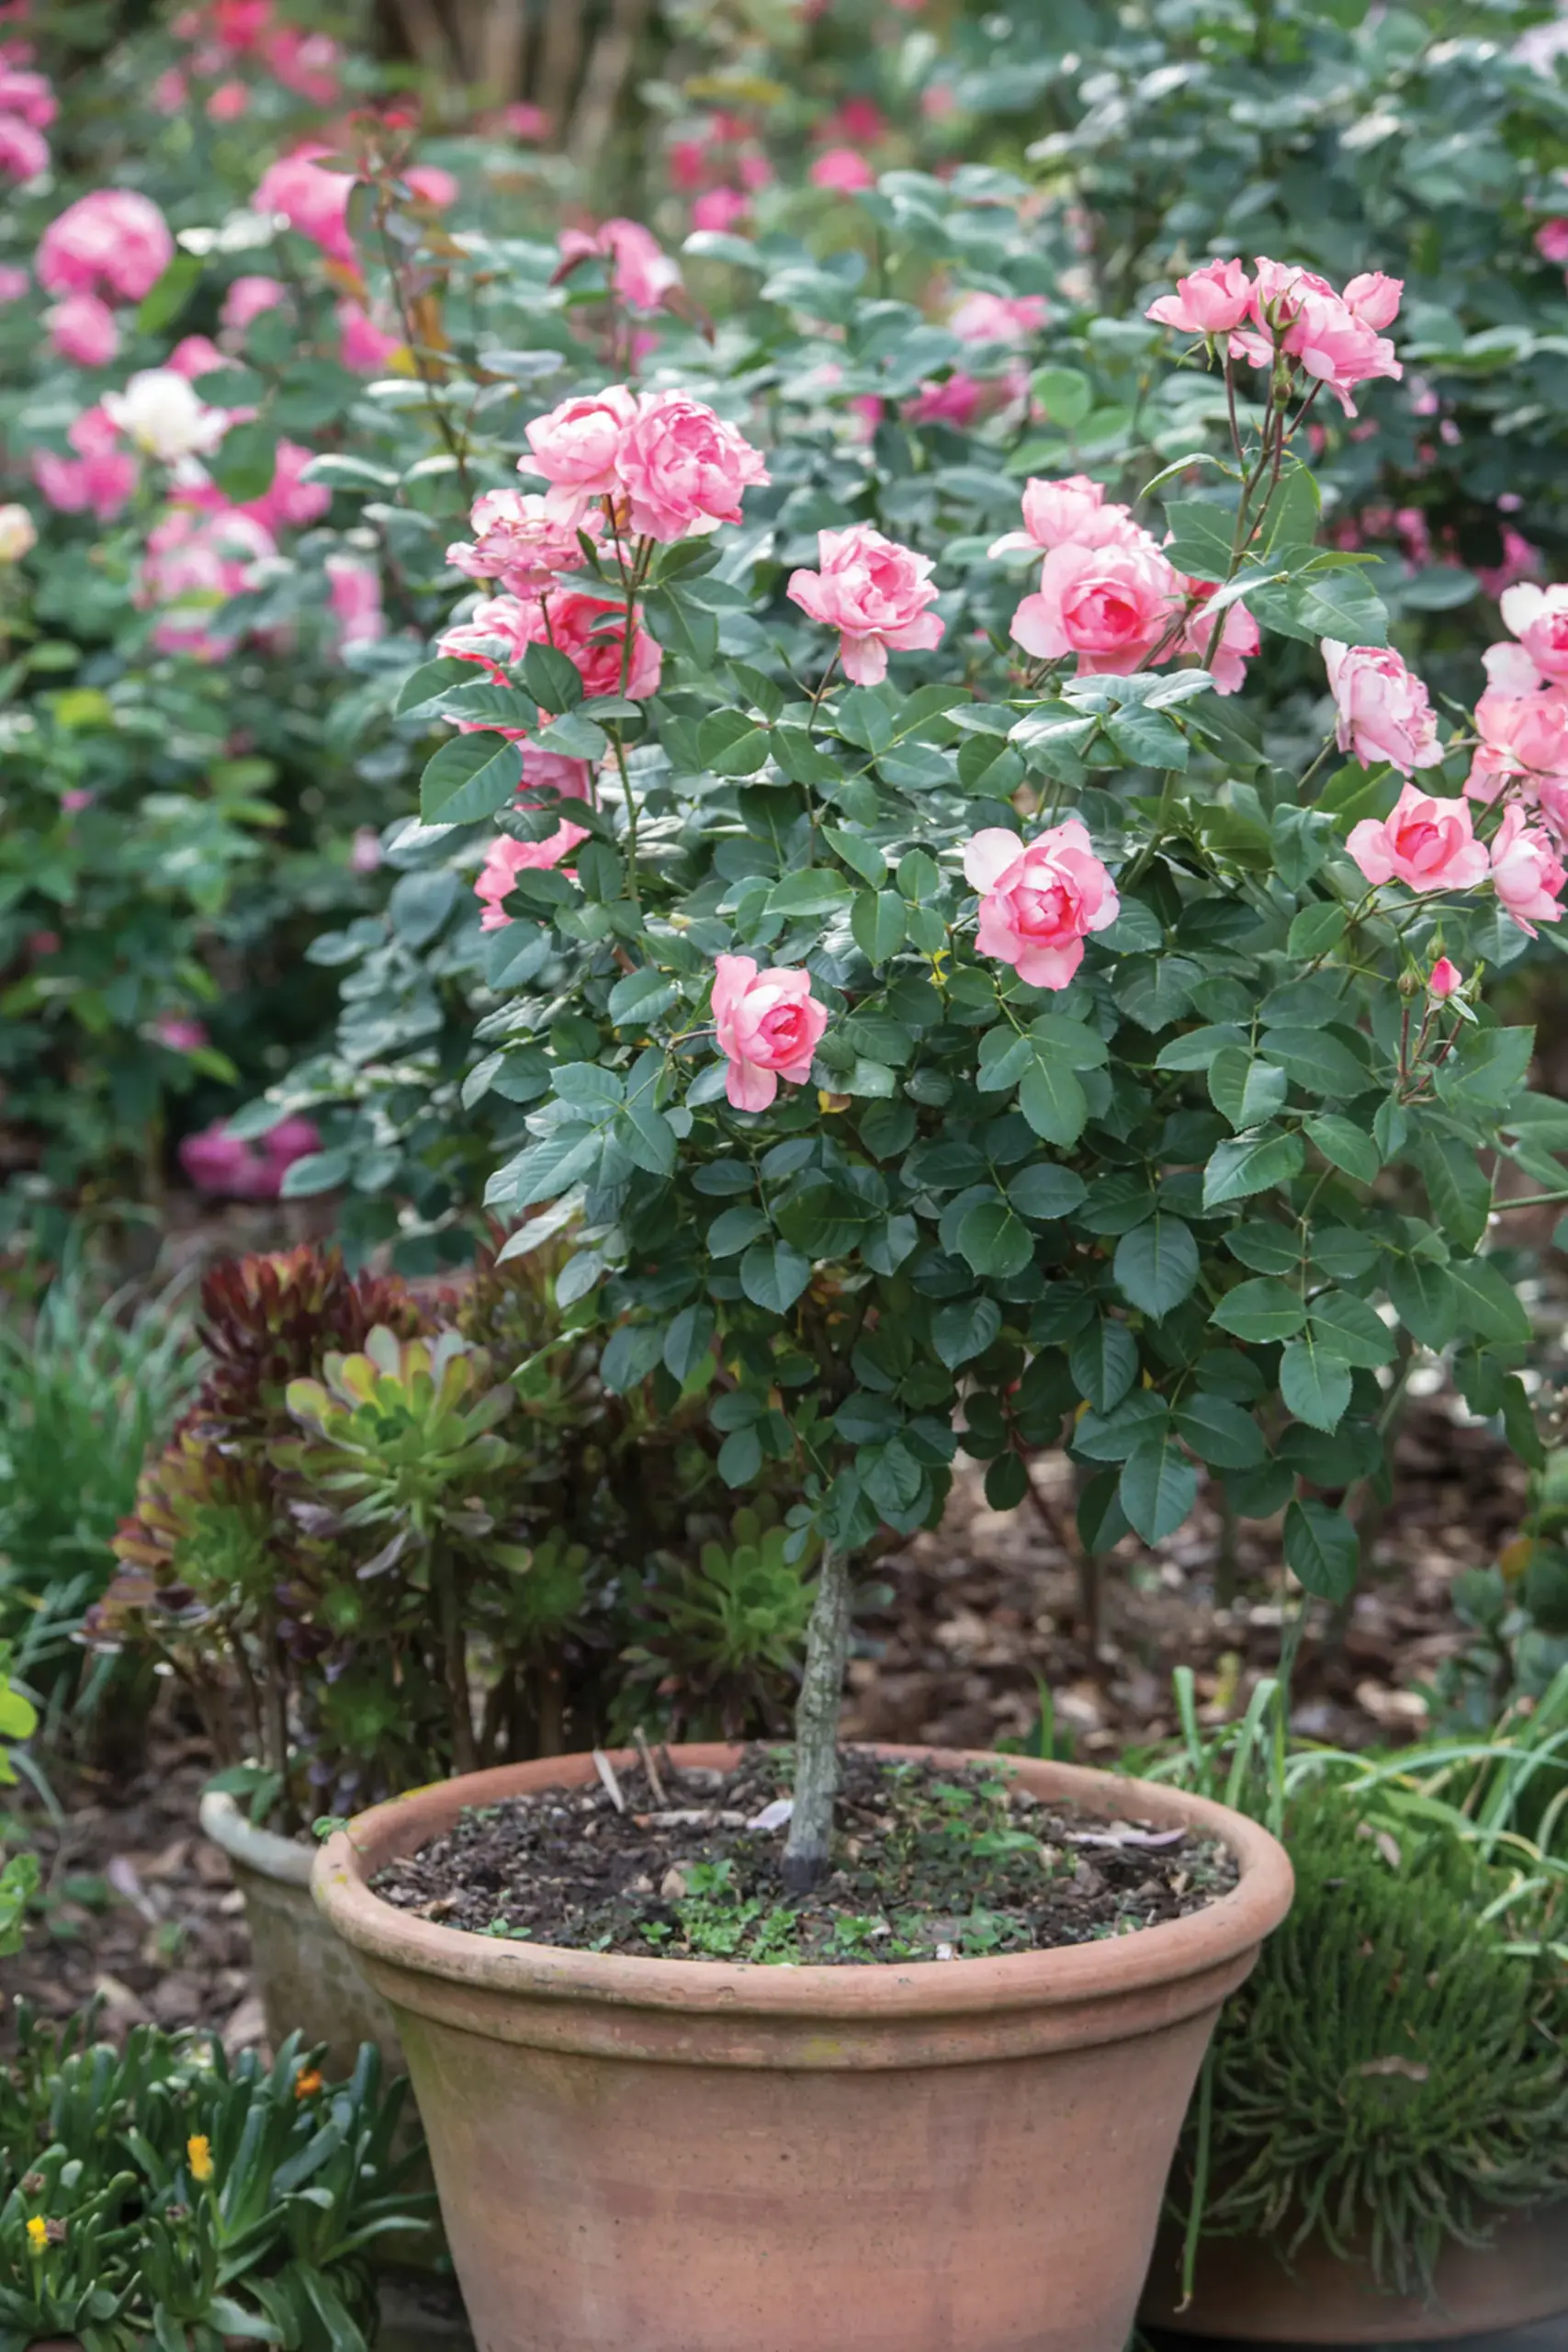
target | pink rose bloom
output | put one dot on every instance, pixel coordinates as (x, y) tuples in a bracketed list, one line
[(314, 203), (100, 478), (1110, 605), (180, 1035), (517, 543), (193, 564), (841, 170), (288, 503), (1522, 736), (170, 92), (14, 283), (755, 170), (305, 62), (955, 401), (577, 449), (874, 593), (1073, 508), (1224, 652), (194, 355), (999, 317), (76, 797), (720, 208), (682, 469), (768, 1024), (1428, 844), (1212, 301), (641, 272), (1374, 298), (364, 850), (113, 241), (228, 102), (247, 298), (363, 346), (859, 121), (550, 772), (83, 330), (1551, 241), (432, 186), (1522, 561), (593, 636), (216, 1161), (1538, 618), (1527, 873), (525, 121), (353, 596), (1382, 710), (507, 859), (1340, 349), (1039, 901), (28, 94), (1280, 289), (1444, 979), (500, 629), (24, 151)]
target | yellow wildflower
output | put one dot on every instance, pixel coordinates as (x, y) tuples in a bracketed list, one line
[(198, 2153), (38, 2232)]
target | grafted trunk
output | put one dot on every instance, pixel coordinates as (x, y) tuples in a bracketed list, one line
[(817, 1726)]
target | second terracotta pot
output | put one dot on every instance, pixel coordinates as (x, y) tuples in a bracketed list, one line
[(656, 2156)]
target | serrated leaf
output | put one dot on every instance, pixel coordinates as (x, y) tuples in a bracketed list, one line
[(1249, 1164), (689, 1340), (1425, 1299), (1314, 1385), (1245, 1090), (470, 777), (964, 1328), (1457, 1188), (732, 744), (1103, 1361), (1316, 930), (1054, 1103), (1352, 1328), (1260, 1312), (857, 852), (1489, 1308), (1322, 1550), (1046, 1192), (877, 920), (1157, 1264), (1344, 1146), (641, 996), (1219, 1431), (1158, 1488), (773, 1275), (994, 1240)]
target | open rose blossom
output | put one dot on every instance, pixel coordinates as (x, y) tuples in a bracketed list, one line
[(159, 412), (313, 202), (1427, 844), (840, 170), (1040, 899), (507, 859), (682, 469), (874, 593), (518, 543), (1538, 618), (1524, 739), (641, 272), (577, 449), (768, 1024), (1212, 301), (1224, 652), (1073, 508), (83, 330), (1526, 872), (1110, 605), (1444, 979), (1382, 710), (98, 480), (113, 241), (216, 1161), (247, 298), (587, 630), (999, 317)]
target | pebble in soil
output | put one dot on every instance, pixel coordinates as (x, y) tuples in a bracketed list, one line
[(929, 1863)]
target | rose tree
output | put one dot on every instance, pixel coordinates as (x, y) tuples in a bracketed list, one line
[(933, 1040)]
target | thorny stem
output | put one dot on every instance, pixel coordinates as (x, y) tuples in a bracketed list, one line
[(806, 1855), (456, 448)]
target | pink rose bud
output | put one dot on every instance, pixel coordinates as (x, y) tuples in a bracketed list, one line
[(14, 283), (1526, 872), (1110, 605), (1212, 301), (247, 298), (313, 203), (1428, 844), (507, 859), (842, 171), (83, 329), (874, 593), (432, 186), (364, 850), (1551, 241), (76, 797), (768, 1024), (641, 272), (1073, 508), (1444, 979), (1374, 298), (1382, 710), (577, 449), (1039, 900), (720, 208), (180, 1035), (682, 469)]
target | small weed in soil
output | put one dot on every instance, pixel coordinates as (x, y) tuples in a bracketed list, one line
[(929, 1864)]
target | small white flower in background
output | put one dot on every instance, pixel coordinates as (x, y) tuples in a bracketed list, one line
[(19, 534), (162, 414)]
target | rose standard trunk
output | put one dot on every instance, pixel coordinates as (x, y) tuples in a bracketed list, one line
[(817, 1726)]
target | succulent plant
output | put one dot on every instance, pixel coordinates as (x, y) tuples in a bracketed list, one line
[(266, 1319), (721, 1641)]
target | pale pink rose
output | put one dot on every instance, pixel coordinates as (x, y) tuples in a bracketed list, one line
[(499, 630), (1226, 651), (1510, 671), (76, 797), (755, 170), (507, 859), (194, 355), (518, 543), (24, 151), (28, 94), (364, 850), (551, 772), (228, 102), (363, 346), (525, 121), (956, 400), (180, 1035), (353, 597), (247, 298), (1073, 508), (313, 202), (99, 479), (216, 1161), (682, 469), (291, 1139), (1444, 979), (858, 122), (768, 1024), (288, 503), (306, 63), (113, 241), (193, 564), (999, 317), (1039, 900), (1374, 298), (1527, 873), (577, 449), (1522, 561), (83, 330), (720, 208), (1523, 738), (1340, 349), (587, 630), (14, 283), (1427, 844), (1551, 241), (1382, 710), (1110, 605), (1279, 290), (1212, 301), (432, 186), (841, 170), (641, 272), (874, 593), (1538, 618), (171, 92)]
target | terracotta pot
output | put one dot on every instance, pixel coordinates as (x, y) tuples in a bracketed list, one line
[(658, 2155), (306, 1979), (1245, 2295)]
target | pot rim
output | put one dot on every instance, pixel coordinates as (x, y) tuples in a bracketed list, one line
[(1106, 1969), (285, 1860)]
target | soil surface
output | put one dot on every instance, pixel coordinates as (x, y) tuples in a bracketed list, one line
[(931, 1863)]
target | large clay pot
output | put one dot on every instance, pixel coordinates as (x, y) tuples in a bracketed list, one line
[(1245, 2295), (658, 2155)]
